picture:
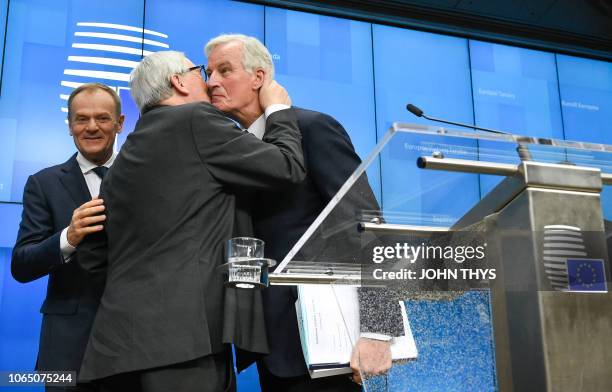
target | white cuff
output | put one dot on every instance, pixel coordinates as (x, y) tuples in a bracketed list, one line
[(376, 336), (67, 249), (275, 108)]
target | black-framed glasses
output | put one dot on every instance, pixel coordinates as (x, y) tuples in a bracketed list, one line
[(201, 68)]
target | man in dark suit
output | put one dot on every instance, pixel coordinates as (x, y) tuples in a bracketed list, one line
[(170, 209), (58, 212), (281, 218)]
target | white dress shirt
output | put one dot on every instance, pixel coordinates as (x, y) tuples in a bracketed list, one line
[(93, 182), (258, 128)]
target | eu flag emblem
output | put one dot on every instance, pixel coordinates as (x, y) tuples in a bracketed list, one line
[(586, 275)]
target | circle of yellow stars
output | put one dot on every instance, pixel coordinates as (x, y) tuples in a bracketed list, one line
[(580, 275)]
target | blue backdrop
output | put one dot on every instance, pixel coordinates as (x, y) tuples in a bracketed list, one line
[(363, 74)]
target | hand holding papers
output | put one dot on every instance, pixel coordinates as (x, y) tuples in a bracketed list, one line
[(328, 320), (370, 357)]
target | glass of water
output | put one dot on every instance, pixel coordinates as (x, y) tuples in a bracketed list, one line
[(244, 248), (246, 266)]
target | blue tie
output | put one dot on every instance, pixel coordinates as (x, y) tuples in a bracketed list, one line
[(100, 171)]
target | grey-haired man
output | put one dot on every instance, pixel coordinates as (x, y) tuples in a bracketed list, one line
[(170, 208), (237, 65)]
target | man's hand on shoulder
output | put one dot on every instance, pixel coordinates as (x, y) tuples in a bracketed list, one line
[(85, 220), (371, 356), (272, 93)]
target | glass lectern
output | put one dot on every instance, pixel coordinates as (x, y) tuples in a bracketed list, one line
[(486, 259)]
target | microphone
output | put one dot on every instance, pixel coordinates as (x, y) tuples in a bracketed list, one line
[(414, 110), (521, 149), (419, 113)]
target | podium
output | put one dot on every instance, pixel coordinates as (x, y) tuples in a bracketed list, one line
[(534, 313)]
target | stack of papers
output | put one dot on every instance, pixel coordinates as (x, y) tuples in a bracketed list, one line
[(328, 320)]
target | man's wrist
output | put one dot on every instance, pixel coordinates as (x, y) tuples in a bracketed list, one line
[(275, 108), (376, 336), (65, 247)]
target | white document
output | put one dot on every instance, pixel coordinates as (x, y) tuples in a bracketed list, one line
[(328, 320)]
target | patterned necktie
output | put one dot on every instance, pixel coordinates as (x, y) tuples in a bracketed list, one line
[(100, 171)]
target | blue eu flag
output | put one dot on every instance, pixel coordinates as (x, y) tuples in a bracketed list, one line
[(586, 275)]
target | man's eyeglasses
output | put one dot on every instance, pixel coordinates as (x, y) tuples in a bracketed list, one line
[(201, 68)]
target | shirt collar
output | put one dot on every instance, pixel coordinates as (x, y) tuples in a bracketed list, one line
[(87, 166), (258, 128)]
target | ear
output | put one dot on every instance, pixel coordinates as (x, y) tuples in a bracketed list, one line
[(120, 121), (177, 83), (260, 77)]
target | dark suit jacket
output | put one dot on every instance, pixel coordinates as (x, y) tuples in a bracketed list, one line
[(170, 211), (280, 219), (49, 199)]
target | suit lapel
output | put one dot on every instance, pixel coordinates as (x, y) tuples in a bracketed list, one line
[(74, 182)]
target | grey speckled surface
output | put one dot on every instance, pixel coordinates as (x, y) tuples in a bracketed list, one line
[(454, 338)]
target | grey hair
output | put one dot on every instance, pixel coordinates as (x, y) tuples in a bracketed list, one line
[(92, 87), (254, 54), (150, 80)]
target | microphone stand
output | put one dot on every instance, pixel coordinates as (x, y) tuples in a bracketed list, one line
[(522, 149)]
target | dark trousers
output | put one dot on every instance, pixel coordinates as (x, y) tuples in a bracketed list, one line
[(271, 383), (212, 373)]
